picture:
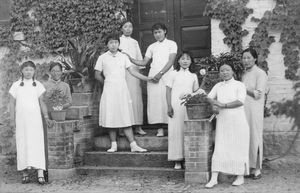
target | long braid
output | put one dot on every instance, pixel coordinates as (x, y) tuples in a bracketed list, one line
[(22, 83), (34, 83)]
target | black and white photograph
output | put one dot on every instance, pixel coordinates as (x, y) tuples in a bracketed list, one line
[(140, 96)]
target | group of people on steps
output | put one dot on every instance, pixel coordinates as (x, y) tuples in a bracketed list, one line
[(238, 105)]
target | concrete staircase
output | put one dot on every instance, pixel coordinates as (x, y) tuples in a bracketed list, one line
[(126, 163)]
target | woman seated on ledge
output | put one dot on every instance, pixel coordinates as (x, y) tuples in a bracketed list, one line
[(231, 153), (55, 83)]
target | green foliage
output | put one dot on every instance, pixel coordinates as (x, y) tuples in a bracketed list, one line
[(232, 14), (212, 64), (196, 99), (81, 58), (47, 26)]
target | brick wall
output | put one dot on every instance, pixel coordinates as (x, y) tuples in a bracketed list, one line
[(198, 148)]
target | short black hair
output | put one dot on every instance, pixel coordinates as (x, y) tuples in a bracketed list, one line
[(124, 22), (158, 26), (192, 67), (253, 52), (113, 36), (53, 64)]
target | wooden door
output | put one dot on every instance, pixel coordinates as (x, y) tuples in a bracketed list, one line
[(184, 19)]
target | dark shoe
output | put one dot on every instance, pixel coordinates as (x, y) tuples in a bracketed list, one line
[(249, 176), (41, 180), (25, 179), (256, 177)]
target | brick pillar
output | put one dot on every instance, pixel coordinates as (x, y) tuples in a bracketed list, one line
[(198, 148), (61, 149)]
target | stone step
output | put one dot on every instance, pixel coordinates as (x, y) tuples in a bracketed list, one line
[(151, 130), (168, 173), (127, 159), (151, 143), (77, 112), (82, 99)]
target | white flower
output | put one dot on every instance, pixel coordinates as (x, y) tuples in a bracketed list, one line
[(202, 71)]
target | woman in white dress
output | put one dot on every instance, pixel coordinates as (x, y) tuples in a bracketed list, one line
[(255, 80), (163, 53), (116, 105), (26, 104), (231, 153), (132, 48), (182, 81)]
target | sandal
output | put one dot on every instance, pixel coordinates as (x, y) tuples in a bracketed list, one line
[(41, 180), (25, 179)]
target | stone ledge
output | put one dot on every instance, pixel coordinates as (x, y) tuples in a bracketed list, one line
[(61, 174)]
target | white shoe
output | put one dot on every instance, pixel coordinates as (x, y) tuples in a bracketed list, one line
[(113, 148), (210, 184), (140, 131), (239, 181), (177, 166), (135, 148), (160, 132)]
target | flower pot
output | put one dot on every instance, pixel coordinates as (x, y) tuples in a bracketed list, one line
[(199, 110), (58, 115), (79, 87)]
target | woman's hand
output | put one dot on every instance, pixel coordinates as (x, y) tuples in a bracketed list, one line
[(218, 104), (215, 109), (157, 77), (170, 111), (49, 122)]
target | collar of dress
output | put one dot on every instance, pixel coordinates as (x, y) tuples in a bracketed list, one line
[(228, 81), (113, 55), (55, 81), (162, 41), (184, 70)]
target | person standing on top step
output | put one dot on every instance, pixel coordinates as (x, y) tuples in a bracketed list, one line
[(115, 104), (182, 82), (163, 53), (131, 47)]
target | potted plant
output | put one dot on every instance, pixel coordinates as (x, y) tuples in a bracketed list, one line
[(79, 61), (197, 106), (56, 100)]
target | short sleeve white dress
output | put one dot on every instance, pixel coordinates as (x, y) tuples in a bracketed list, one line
[(29, 125), (115, 110), (157, 104), (231, 153)]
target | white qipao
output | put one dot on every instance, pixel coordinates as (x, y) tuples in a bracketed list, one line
[(256, 80), (131, 47), (231, 153), (157, 104), (29, 125), (115, 109), (181, 82)]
